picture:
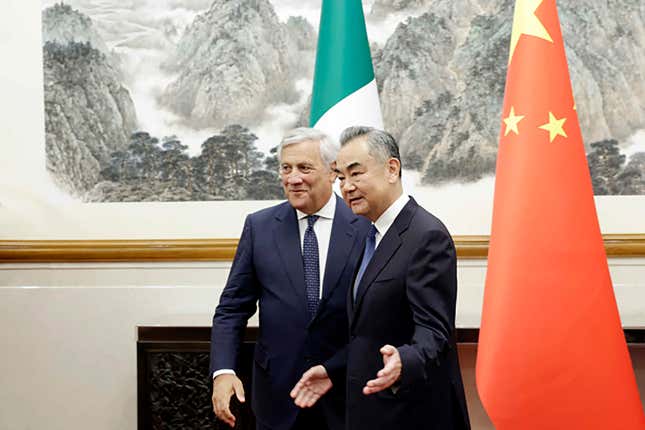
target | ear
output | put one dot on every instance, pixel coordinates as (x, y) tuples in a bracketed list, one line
[(332, 172), (393, 168)]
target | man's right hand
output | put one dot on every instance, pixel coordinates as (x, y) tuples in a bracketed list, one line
[(312, 386), (224, 386)]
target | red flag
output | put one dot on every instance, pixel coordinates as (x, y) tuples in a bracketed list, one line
[(552, 354)]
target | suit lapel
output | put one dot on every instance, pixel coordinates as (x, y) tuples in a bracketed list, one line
[(287, 241), (386, 248), (341, 243), (384, 252)]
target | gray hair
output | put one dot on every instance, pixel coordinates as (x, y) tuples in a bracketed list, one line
[(329, 147), (380, 144)]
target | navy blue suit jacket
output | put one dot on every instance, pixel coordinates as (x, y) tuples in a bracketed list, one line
[(268, 270), (406, 298)]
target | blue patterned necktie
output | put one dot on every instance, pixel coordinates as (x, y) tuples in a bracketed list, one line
[(370, 245), (311, 265)]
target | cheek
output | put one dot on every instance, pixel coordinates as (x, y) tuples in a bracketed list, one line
[(315, 182)]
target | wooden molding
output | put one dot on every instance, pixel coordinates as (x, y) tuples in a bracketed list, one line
[(76, 251), (197, 335)]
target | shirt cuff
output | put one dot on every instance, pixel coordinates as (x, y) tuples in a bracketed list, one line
[(223, 372)]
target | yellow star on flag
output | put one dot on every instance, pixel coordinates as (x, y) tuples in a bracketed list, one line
[(525, 22), (554, 127), (511, 122)]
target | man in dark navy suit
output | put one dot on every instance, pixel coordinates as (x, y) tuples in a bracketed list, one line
[(402, 365), (296, 260)]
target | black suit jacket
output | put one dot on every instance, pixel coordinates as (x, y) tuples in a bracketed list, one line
[(407, 299), (268, 270)]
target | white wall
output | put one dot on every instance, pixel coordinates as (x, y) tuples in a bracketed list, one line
[(68, 333)]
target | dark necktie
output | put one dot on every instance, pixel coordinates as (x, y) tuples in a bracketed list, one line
[(311, 265), (370, 245)]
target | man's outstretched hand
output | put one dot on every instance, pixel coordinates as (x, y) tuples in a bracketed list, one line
[(389, 374), (312, 386)]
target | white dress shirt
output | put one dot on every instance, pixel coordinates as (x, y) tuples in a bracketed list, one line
[(322, 228), (385, 221)]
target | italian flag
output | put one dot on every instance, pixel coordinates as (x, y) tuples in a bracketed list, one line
[(344, 92)]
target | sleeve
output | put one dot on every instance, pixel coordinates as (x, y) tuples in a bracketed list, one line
[(336, 367), (431, 284), (237, 304), (223, 372)]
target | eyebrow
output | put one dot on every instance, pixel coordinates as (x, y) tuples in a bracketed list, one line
[(303, 163), (350, 166)]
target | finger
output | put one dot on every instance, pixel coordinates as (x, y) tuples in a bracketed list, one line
[(223, 413), (228, 417), (385, 371), (239, 390), (296, 390), (299, 396), (380, 383), (372, 390), (387, 350), (312, 401), (389, 369), (217, 405), (300, 400), (377, 382), (309, 399)]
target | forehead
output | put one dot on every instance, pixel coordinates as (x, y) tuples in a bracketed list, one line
[(354, 153), (307, 151)]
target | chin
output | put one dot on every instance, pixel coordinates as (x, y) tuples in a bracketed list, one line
[(299, 204), (358, 209)]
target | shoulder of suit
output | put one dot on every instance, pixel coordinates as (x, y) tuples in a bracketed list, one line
[(270, 212), (427, 221)]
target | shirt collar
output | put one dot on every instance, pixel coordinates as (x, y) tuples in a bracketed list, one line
[(385, 221), (326, 211)]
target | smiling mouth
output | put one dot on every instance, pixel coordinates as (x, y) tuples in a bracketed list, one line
[(355, 200)]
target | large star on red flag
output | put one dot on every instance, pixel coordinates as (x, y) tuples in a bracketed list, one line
[(526, 22)]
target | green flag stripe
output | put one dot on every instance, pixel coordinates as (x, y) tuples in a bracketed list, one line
[(343, 59)]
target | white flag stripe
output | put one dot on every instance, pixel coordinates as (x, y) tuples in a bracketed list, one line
[(359, 108)]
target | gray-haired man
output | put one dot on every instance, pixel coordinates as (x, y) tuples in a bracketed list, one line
[(402, 365), (296, 261)]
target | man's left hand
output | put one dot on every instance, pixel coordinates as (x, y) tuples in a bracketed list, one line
[(389, 374)]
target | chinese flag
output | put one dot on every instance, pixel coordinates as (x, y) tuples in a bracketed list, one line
[(552, 354)]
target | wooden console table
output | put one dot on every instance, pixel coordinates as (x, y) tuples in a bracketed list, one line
[(174, 391)]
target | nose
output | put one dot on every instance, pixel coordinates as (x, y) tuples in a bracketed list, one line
[(347, 186), (294, 178)]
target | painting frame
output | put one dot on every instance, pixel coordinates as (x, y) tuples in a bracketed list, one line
[(88, 251), (23, 167)]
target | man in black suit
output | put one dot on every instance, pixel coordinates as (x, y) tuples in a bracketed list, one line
[(295, 259), (402, 365)]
